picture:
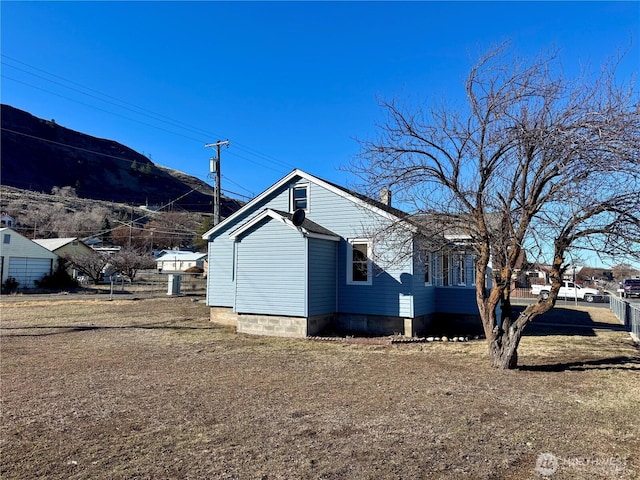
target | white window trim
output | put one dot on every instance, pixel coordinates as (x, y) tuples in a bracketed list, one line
[(291, 199), (350, 280), (428, 266)]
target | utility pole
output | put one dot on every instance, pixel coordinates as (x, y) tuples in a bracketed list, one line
[(130, 226), (214, 169)]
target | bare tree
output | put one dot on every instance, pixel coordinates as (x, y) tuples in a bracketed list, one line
[(50, 220), (79, 223), (129, 261), (129, 236), (622, 271), (173, 229), (533, 161), (90, 264)]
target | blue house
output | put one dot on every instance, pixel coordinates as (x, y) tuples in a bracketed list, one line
[(343, 265)]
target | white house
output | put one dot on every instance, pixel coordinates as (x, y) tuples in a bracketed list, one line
[(7, 220), (179, 261), (23, 259), (66, 246)]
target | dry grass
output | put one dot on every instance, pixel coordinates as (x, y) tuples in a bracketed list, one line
[(93, 389)]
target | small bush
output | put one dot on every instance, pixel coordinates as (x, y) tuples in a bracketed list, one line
[(194, 270), (58, 280)]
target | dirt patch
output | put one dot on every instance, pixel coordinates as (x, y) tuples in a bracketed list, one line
[(151, 389)]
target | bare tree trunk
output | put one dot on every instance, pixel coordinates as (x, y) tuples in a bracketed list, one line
[(503, 348), (505, 339)]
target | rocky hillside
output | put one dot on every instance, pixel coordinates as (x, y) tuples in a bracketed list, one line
[(39, 155)]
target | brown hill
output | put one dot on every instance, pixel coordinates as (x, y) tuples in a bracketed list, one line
[(39, 155)]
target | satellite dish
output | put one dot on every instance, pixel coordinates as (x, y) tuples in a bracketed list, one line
[(298, 217)]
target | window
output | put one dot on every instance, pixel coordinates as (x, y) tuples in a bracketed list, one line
[(300, 198), (445, 270), (474, 271), (6, 239), (359, 263), (427, 268), (461, 273)]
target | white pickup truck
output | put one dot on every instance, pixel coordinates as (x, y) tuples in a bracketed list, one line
[(568, 290)]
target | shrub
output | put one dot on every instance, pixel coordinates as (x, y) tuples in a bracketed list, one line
[(194, 270), (60, 279)]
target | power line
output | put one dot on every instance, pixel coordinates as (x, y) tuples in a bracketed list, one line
[(138, 110), (123, 159), (68, 146), (141, 109), (237, 194), (239, 186), (278, 163), (125, 105), (100, 109)]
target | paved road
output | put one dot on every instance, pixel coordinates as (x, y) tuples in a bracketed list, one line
[(561, 303)]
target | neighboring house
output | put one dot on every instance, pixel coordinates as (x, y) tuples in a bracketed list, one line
[(7, 220), (179, 261), (92, 242), (538, 274), (275, 272), (66, 246), (23, 259), (106, 250)]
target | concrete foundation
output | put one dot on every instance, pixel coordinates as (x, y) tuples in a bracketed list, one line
[(300, 327), (223, 316), (382, 325), (275, 326)]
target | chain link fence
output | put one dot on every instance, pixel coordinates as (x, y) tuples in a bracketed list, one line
[(628, 314)]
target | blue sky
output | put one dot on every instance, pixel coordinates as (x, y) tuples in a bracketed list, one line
[(289, 84)]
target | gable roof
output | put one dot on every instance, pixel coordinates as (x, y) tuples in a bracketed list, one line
[(183, 256), (373, 205), (53, 244), (46, 253), (307, 228)]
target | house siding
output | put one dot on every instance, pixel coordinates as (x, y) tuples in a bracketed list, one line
[(271, 271), (220, 285), (390, 293), (352, 221), (220, 279), (24, 259), (322, 276), (456, 300), (423, 295)]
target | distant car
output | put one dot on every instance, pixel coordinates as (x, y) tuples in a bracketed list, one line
[(631, 287)]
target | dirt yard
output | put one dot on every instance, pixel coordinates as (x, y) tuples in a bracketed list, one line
[(124, 389)]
